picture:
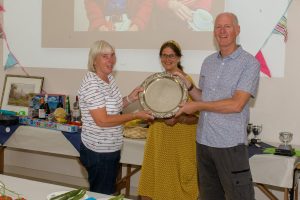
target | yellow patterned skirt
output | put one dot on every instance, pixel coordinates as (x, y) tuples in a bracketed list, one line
[(169, 166)]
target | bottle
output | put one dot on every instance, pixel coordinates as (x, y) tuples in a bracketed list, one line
[(68, 109), (60, 102), (76, 115), (47, 109), (42, 112), (31, 109)]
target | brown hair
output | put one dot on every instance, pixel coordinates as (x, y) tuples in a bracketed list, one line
[(175, 47)]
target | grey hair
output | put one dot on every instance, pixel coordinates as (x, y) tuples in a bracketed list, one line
[(234, 17), (98, 47)]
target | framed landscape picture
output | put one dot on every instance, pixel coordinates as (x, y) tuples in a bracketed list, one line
[(18, 90)]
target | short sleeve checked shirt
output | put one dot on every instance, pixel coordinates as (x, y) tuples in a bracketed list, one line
[(219, 79)]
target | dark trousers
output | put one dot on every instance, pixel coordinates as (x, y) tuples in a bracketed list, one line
[(102, 169), (224, 173)]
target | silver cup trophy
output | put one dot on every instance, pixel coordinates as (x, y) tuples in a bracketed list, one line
[(285, 148), (256, 130), (249, 129)]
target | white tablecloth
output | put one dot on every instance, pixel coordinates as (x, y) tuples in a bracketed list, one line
[(54, 142), (133, 151), (265, 168), (41, 140), (273, 169), (34, 190)]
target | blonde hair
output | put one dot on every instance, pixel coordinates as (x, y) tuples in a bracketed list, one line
[(98, 47)]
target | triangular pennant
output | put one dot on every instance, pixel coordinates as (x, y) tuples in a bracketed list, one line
[(263, 65), (11, 61), (1, 8)]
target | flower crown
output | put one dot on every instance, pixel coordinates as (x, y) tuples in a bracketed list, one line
[(174, 43)]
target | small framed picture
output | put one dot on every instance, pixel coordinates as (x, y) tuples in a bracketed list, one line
[(18, 90)]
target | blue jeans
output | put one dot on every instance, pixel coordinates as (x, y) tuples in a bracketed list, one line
[(102, 169)]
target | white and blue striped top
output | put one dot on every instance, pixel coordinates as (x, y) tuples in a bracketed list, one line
[(95, 93)]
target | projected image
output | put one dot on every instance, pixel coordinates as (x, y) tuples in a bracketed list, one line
[(118, 15), (195, 15), (145, 15)]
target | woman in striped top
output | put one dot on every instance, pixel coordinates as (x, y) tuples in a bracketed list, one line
[(101, 103)]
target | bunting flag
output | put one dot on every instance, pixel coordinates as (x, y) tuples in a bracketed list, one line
[(11, 61), (1, 29), (281, 28), (263, 64), (1, 8)]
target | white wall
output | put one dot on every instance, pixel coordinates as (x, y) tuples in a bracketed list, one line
[(277, 104)]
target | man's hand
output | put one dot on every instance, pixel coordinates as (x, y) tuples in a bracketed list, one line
[(189, 108)]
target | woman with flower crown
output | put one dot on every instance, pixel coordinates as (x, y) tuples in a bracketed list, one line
[(169, 166)]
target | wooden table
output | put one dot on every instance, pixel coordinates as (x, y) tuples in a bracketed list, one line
[(1, 159), (275, 170), (296, 185), (132, 155), (266, 169)]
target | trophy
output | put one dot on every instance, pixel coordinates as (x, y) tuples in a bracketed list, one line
[(249, 129), (256, 130), (285, 149)]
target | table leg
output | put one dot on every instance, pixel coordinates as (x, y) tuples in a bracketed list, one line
[(124, 182), (296, 192), (1, 159), (266, 191), (291, 193), (286, 194)]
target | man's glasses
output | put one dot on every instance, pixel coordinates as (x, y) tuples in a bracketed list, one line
[(170, 56)]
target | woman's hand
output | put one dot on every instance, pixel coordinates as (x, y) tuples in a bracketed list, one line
[(144, 115), (187, 83), (171, 121), (134, 95)]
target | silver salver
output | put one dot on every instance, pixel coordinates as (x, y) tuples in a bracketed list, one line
[(162, 95)]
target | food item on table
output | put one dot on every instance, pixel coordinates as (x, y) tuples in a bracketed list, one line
[(3, 193), (60, 115), (4, 197), (71, 195), (135, 132), (133, 123), (119, 197)]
